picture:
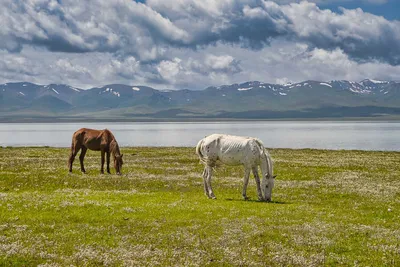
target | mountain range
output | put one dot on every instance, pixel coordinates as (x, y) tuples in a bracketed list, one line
[(23, 101)]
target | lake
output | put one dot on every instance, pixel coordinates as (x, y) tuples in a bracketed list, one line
[(275, 134)]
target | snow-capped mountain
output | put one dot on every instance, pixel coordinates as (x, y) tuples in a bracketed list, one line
[(256, 97)]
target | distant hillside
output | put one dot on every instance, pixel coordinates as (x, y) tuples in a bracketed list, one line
[(249, 100)]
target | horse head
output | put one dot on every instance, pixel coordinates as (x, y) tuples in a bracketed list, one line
[(268, 185), (118, 163)]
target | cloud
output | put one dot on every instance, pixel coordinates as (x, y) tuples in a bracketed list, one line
[(87, 26), (192, 44), (378, 2), (148, 31), (363, 36), (17, 66), (223, 63), (280, 62), (254, 24), (169, 69)]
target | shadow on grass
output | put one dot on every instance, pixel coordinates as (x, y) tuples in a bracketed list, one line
[(257, 201)]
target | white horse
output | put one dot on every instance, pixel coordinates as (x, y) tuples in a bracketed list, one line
[(237, 150)]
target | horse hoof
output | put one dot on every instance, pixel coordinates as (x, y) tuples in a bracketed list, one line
[(245, 198)]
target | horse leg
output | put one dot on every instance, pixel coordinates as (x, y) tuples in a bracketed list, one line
[(205, 173), (257, 178), (102, 162), (82, 157), (74, 150), (108, 162), (245, 183), (209, 175)]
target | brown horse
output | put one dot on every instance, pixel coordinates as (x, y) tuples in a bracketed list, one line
[(98, 140)]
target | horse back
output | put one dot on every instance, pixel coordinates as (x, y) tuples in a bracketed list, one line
[(231, 150), (92, 138)]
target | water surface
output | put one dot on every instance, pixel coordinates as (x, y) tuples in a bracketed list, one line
[(275, 134)]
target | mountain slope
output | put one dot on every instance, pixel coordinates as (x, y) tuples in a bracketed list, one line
[(246, 100)]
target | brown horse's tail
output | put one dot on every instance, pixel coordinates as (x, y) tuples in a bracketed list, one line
[(73, 151), (73, 142), (75, 138)]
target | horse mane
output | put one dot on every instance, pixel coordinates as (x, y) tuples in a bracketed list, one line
[(114, 148), (266, 155)]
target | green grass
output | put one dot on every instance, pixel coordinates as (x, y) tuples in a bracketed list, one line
[(330, 208)]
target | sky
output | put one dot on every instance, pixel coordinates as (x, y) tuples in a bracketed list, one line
[(193, 44)]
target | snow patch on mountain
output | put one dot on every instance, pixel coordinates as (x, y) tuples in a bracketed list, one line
[(75, 89), (326, 84), (135, 88), (55, 91), (376, 81)]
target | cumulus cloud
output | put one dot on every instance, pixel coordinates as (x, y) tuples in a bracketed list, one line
[(332, 1), (254, 24), (87, 26), (192, 44), (362, 36), (147, 31), (17, 66), (169, 69), (224, 63), (280, 62)]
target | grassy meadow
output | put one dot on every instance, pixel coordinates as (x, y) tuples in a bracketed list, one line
[(330, 208)]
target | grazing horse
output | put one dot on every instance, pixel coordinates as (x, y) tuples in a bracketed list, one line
[(98, 140), (237, 150)]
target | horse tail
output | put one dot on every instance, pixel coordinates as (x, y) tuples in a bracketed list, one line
[(74, 140), (77, 140), (198, 151), (73, 149)]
